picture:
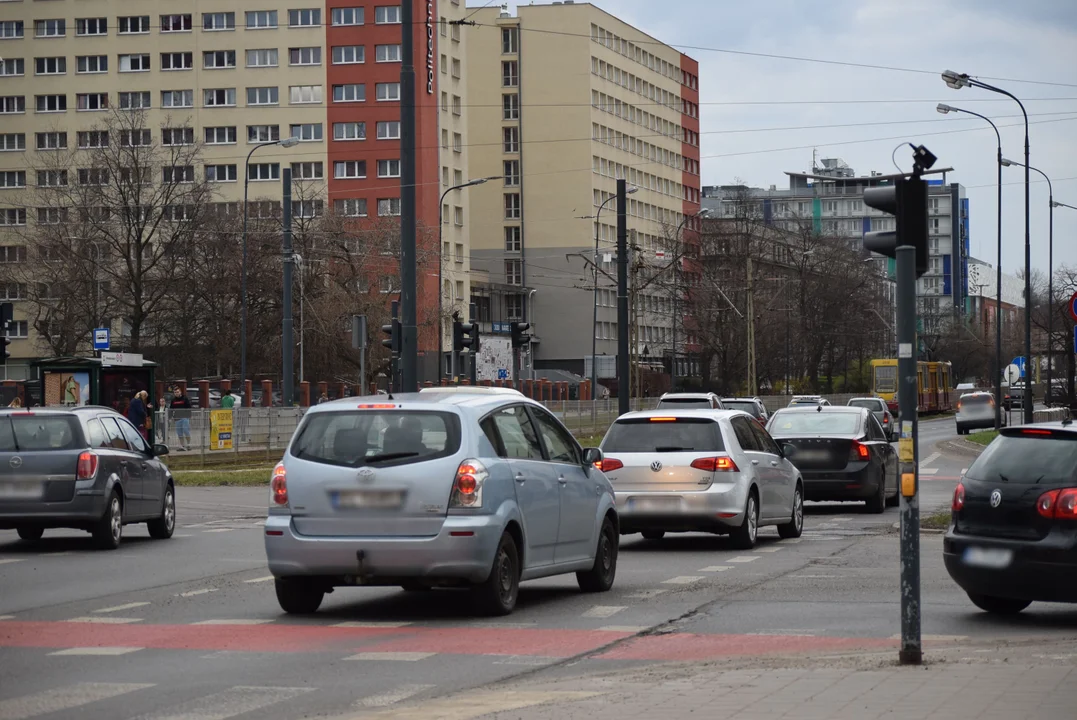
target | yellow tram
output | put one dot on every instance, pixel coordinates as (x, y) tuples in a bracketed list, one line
[(933, 389)]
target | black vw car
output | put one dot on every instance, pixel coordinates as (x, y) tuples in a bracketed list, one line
[(841, 452), (86, 468), (1012, 539)]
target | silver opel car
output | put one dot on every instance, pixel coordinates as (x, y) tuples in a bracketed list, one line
[(478, 488), (712, 471)]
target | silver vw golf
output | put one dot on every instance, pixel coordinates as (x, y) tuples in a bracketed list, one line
[(478, 488)]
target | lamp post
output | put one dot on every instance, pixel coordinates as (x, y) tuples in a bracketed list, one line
[(441, 263), (943, 108), (594, 311), (285, 143), (1050, 275), (704, 212), (958, 81)]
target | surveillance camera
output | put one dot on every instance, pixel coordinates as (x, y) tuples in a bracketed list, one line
[(923, 157)]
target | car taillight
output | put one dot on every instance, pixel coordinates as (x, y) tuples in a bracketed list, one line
[(1032, 431), (859, 451), (1058, 504), (716, 464), (278, 487), (467, 488), (959, 498), (609, 464), (886, 417), (87, 466)]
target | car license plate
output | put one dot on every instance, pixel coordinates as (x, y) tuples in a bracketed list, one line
[(662, 504), (812, 455), (367, 499), (21, 491), (993, 558)]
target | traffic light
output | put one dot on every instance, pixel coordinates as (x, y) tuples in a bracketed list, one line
[(392, 330), (465, 335), (518, 337), (7, 313), (906, 200)]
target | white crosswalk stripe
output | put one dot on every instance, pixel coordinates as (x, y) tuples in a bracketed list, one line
[(392, 697), (227, 703), (64, 698)]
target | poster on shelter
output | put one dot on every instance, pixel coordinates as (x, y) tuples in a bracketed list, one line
[(67, 388)]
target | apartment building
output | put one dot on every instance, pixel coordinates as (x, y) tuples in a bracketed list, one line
[(241, 75), (566, 99)]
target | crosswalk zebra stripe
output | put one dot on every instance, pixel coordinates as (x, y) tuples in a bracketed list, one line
[(64, 698), (227, 703)]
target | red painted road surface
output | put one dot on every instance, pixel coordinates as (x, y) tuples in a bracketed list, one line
[(454, 641)]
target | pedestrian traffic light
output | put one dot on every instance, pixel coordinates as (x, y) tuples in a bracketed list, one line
[(393, 340), (519, 339), (906, 200)]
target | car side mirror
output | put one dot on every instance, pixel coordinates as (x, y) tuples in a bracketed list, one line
[(789, 450), (591, 456), (159, 450)]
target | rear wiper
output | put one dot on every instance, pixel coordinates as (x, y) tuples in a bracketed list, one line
[(671, 448), (1037, 480), (388, 456)]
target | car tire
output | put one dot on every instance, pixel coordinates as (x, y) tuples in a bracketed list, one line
[(162, 527), (108, 531), (877, 503), (744, 537), (497, 594), (795, 526), (299, 595), (653, 534), (601, 575), (30, 534), (998, 605)]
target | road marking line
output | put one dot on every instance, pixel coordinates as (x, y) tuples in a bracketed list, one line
[(57, 554), (218, 530), (370, 624), (532, 660), (790, 541), (785, 633), (929, 471), (682, 580), (267, 578), (840, 519), (64, 698), (117, 608), (964, 470), (768, 549), (398, 656), (625, 628), (743, 559), (7, 617), (184, 535), (393, 696), (6, 561), (645, 594), (227, 703), (814, 576), (716, 568), (472, 705), (105, 620), (930, 459), (97, 651), (603, 611), (247, 621), (193, 593)]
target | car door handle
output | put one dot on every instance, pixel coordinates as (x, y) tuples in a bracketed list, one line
[(755, 462), (561, 479), (774, 463), (520, 477)]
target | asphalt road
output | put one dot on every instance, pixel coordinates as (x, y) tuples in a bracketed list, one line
[(190, 628)]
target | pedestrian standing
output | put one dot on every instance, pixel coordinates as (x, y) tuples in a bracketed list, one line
[(181, 413), (138, 413), (228, 400), (159, 419)]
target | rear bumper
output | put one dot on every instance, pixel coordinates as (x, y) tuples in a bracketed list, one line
[(718, 509), (975, 422), (1043, 571), (859, 484), (387, 560), (83, 509)]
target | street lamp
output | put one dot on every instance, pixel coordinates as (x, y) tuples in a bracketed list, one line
[(1050, 272), (704, 212), (441, 261), (594, 311), (944, 109), (1062, 204), (958, 81), (285, 143)]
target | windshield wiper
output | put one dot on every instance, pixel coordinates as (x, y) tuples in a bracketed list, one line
[(388, 456), (672, 448)]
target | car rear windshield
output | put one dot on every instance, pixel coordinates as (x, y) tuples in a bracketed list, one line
[(873, 405), (1033, 459), (975, 400), (748, 407), (26, 432), (685, 403), (377, 437), (815, 423), (645, 435)]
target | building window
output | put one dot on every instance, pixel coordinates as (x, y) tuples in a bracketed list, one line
[(349, 93), (261, 19), (51, 216), (458, 220), (263, 133), (221, 173), (265, 57), (457, 142), (308, 171), (263, 171), (388, 207), (456, 104), (51, 140), (510, 41), (91, 64), (510, 104), (388, 15), (134, 63), (12, 179), (512, 206), (513, 238), (510, 74), (91, 101), (177, 98), (13, 142), (19, 329), (12, 104), (389, 130), (50, 66), (175, 23), (220, 136), (354, 207), (12, 66), (512, 173), (511, 139), (349, 131), (348, 16), (387, 53), (10, 217), (51, 103), (135, 25), (388, 91), (135, 138), (93, 176), (388, 168), (219, 97), (307, 132), (135, 100), (50, 28), (178, 174), (514, 272), (214, 22), (349, 169), (305, 56), (90, 139), (306, 208), (311, 17), (172, 137), (89, 26), (349, 54), (177, 61), (219, 59), (305, 94), (263, 96)]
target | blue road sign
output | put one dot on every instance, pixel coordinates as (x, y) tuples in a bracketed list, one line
[(1019, 362), (101, 338), (1075, 343)]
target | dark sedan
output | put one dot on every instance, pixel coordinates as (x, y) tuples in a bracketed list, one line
[(842, 453), (1012, 539)]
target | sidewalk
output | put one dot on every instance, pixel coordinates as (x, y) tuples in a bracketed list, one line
[(989, 681)]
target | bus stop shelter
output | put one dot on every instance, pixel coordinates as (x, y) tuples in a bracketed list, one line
[(110, 380)]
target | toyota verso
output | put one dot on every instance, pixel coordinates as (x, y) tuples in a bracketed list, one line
[(480, 488)]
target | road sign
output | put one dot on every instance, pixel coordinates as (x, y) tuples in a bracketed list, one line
[(1013, 373), (1073, 306), (101, 338), (1075, 343), (121, 359)]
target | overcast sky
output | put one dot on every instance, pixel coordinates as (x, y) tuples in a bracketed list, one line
[(1003, 39)]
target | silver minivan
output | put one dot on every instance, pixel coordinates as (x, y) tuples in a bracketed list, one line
[(975, 411), (480, 488)]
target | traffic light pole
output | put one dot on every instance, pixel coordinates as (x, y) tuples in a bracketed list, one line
[(911, 652), (623, 384), (409, 341), (287, 390)]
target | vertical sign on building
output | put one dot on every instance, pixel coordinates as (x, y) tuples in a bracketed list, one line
[(429, 47)]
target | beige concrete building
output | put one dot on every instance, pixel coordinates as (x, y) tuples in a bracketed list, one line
[(565, 99)]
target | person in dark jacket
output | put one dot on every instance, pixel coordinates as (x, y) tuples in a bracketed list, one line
[(181, 412), (137, 413)]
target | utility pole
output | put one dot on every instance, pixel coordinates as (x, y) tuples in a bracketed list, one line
[(752, 390), (623, 379), (409, 350), (287, 393)]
